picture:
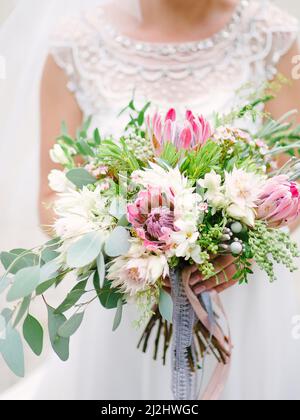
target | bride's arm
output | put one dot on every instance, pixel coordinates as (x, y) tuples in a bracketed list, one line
[(57, 105)]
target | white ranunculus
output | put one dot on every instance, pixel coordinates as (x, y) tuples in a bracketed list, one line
[(58, 181), (58, 155)]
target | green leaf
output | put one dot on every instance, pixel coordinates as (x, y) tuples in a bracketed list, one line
[(4, 283), (118, 208), (42, 288), (101, 269), (23, 309), (118, 242), (49, 271), (109, 297), (119, 313), (59, 344), (49, 255), (80, 177), (73, 297), (14, 261), (24, 283), (12, 351), (166, 306), (85, 251), (70, 327), (97, 137), (33, 334)]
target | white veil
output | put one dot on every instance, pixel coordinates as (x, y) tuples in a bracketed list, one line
[(23, 49)]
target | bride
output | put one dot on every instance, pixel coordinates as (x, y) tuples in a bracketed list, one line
[(191, 54)]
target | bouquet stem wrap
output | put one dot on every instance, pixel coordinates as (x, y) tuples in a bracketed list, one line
[(184, 317), (187, 311)]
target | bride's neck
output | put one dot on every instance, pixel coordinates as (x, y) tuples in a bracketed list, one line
[(181, 13)]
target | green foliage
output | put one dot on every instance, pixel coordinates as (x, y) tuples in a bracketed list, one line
[(71, 326), (85, 251), (166, 306), (24, 307), (11, 349), (59, 344), (200, 162), (170, 155), (72, 298), (25, 283), (33, 334), (118, 242), (80, 177), (108, 296), (272, 245), (18, 259), (118, 316), (117, 157)]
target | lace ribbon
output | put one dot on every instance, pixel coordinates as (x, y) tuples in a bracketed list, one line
[(187, 309)]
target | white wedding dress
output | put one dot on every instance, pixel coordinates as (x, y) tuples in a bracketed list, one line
[(104, 69)]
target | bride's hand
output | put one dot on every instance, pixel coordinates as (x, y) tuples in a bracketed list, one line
[(225, 270)]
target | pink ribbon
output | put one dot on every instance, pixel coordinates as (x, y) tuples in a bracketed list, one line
[(219, 378)]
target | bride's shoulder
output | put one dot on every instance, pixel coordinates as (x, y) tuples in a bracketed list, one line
[(272, 18), (78, 30)]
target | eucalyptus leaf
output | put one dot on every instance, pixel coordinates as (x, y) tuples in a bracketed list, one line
[(109, 297), (59, 344), (16, 260), (118, 242), (22, 310), (72, 298), (43, 287), (118, 316), (12, 351), (24, 283), (4, 283), (118, 208), (101, 269), (49, 255), (49, 271), (166, 306), (33, 334), (7, 314), (70, 327), (85, 251), (80, 177)]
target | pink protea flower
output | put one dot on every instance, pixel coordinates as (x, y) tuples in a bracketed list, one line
[(152, 216), (194, 131), (279, 201)]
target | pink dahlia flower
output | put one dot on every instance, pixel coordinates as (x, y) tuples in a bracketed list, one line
[(194, 131), (279, 201), (152, 216)]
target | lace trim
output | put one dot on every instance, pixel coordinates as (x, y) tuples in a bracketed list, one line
[(103, 72)]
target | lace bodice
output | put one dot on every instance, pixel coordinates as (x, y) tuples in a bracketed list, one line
[(105, 67)]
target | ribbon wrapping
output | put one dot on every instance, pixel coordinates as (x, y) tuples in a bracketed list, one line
[(187, 311)]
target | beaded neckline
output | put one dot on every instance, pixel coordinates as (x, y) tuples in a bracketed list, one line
[(169, 48)]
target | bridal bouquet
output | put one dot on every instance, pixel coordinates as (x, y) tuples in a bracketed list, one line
[(141, 220)]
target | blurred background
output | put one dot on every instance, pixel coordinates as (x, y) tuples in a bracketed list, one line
[(8, 237)]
